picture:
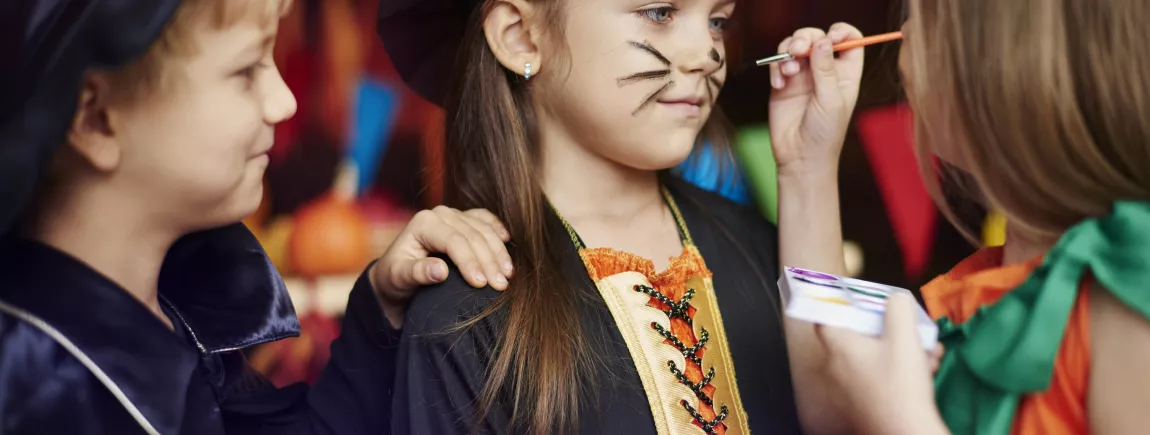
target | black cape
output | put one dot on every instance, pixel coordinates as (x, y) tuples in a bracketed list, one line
[(221, 298), (440, 375)]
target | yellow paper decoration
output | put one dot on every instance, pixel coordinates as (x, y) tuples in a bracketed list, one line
[(994, 229)]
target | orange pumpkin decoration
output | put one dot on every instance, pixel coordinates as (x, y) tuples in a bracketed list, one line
[(331, 235)]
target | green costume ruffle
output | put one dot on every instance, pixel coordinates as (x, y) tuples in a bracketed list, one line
[(1007, 350)]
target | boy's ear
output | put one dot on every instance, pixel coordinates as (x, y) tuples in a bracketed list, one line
[(92, 135), (513, 34)]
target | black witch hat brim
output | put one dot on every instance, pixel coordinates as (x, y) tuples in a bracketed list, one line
[(48, 45), (422, 38)]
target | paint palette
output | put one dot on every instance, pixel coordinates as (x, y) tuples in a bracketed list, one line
[(845, 303)]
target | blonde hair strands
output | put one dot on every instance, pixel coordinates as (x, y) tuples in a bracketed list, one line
[(1043, 102)]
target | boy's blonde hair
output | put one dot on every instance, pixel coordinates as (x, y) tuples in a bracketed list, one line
[(1045, 103), (151, 71)]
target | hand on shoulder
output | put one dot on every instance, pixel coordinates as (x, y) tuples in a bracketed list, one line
[(473, 240)]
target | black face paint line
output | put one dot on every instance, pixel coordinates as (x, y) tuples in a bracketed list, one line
[(646, 75), (649, 75), (646, 46), (654, 95), (711, 79)]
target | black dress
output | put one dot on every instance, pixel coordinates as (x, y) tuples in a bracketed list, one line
[(441, 374)]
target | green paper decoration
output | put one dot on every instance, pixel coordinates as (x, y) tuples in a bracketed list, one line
[(757, 159)]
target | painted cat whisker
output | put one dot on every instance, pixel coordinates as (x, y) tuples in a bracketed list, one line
[(654, 95), (646, 75), (647, 47)]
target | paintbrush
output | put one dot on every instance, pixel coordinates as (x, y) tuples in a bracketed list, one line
[(845, 45)]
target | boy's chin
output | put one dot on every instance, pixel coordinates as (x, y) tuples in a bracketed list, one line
[(240, 206)]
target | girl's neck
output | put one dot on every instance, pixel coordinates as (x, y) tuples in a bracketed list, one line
[(608, 204), (579, 184), (111, 237), (1020, 248)]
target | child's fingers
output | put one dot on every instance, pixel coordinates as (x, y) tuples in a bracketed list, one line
[(494, 242), (426, 271), (850, 62), (489, 218), (804, 37), (935, 356), (777, 79), (481, 244), (900, 331), (825, 75), (839, 341), (799, 46), (840, 32)]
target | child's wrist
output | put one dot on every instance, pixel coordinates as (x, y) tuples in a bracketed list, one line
[(811, 185), (807, 171)]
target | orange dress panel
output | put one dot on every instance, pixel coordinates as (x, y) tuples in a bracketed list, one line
[(982, 280)]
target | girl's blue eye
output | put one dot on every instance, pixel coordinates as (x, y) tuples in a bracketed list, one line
[(661, 15), (720, 24)]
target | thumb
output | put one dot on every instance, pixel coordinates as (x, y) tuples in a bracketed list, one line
[(899, 326), (406, 275), (825, 75), (426, 271)]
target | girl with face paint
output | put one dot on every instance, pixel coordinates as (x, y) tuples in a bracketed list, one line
[(638, 297)]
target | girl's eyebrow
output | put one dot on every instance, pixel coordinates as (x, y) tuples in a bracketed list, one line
[(646, 46)]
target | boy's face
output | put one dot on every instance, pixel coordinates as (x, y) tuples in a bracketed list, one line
[(195, 151)]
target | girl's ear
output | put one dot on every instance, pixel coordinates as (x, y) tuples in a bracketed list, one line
[(511, 34)]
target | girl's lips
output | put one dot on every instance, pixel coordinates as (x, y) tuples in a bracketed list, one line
[(691, 107)]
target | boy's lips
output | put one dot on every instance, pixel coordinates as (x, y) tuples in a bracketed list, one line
[(261, 151)]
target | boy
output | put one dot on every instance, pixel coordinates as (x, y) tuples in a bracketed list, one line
[(133, 137)]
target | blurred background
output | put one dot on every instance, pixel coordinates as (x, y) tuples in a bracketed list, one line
[(364, 154)]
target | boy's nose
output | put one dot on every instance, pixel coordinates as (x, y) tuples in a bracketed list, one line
[(281, 103)]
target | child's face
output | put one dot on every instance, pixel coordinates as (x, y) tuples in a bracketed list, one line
[(196, 150), (644, 76)]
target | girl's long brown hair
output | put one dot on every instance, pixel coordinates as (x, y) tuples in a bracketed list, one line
[(543, 359), (1043, 102)]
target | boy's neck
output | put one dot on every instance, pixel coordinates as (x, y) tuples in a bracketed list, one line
[(112, 238)]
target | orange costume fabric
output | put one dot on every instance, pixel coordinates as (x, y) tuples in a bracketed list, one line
[(981, 280)]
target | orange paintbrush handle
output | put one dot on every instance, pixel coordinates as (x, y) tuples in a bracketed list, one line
[(869, 40), (845, 45)]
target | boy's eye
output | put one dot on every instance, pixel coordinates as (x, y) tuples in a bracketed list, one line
[(661, 15), (249, 73)]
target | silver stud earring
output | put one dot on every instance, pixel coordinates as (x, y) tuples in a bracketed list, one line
[(527, 71)]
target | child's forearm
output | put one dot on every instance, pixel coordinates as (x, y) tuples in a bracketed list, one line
[(810, 236), (810, 228)]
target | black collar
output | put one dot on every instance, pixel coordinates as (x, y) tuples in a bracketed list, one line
[(219, 284)]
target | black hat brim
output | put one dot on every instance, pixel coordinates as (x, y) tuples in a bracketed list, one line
[(422, 39)]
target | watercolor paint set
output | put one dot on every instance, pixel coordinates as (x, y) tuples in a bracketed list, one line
[(842, 302)]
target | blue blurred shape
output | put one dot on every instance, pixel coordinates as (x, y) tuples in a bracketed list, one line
[(703, 169), (373, 119)]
